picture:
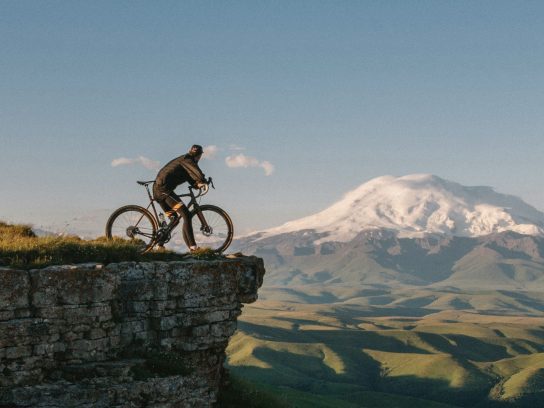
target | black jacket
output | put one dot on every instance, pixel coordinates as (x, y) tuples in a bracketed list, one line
[(180, 170)]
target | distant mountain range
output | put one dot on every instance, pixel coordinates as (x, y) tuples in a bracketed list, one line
[(414, 230), (88, 225), (418, 205)]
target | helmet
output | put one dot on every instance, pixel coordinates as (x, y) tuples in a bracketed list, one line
[(196, 150)]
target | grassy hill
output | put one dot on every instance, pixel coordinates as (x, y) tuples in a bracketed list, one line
[(522, 378), (452, 320), (367, 356)]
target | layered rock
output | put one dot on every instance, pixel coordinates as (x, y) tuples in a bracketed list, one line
[(127, 334)]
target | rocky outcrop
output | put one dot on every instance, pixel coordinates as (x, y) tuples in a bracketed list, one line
[(126, 334)]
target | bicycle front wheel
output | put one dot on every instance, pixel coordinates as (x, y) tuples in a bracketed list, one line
[(212, 228), (133, 223)]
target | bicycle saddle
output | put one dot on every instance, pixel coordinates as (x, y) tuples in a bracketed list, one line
[(145, 183)]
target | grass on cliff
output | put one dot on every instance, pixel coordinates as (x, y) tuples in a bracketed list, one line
[(21, 248)]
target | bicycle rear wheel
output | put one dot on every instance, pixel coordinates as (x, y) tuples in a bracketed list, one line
[(133, 222), (212, 228)]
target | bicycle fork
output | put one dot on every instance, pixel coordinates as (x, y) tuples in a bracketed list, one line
[(204, 227)]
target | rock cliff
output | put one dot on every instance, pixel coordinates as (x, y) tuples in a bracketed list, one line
[(126, 334)]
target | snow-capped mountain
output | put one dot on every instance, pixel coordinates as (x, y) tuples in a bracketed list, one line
[(413, 230), (418, 205)]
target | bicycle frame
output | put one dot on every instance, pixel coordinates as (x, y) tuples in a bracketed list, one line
[(192, 203), (151, 202), (211, 223)]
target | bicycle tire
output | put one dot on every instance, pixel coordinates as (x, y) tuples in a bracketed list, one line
[(133, 222), (222, 230)]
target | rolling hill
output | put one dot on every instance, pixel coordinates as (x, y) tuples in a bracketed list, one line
[(409, 291)]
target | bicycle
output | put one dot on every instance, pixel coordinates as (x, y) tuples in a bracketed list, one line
[(212, 226)]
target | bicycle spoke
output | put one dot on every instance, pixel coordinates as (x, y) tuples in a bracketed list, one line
[(132, 223), (212, 228)]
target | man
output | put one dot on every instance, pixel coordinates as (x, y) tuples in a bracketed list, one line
[(180, 170)]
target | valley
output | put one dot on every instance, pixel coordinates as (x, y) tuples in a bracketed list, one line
[(410, 291), (403, 353)]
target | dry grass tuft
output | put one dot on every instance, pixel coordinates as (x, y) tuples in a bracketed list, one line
[(204, 253), (21, 248)]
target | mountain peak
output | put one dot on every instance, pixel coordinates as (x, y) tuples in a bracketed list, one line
[(419, 204)]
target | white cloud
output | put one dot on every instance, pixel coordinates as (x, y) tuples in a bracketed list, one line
[(236, 147), (140, 160), (241, 160), (210, 152), (268, 167)]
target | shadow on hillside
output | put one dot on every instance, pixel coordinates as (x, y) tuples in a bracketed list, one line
[(524, 300), (437, 390), (322, 298), (431, 263), (335, 339), (509, 253), (361, 390), (353, 315), (355, 371), (299, 322), (417, 302), (465, 347)]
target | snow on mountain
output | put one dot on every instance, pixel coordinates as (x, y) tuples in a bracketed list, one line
[(416, 205)]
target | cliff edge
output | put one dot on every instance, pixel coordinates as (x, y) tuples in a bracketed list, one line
[(125, 334)]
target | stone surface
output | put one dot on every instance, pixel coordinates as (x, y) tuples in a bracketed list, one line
[(87, 335)]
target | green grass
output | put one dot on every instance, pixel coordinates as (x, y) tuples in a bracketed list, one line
[(243, 393), (321, 354), (205, 254), (21, 248), (353, 398)]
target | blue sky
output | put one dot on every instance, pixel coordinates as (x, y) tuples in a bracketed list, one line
[(331, 94)]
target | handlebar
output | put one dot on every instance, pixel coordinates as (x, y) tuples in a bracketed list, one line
[(204, 190)]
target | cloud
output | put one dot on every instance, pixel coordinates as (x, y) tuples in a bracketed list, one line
[(236, 147), (241, 160), (141, 160), (210, 152), (268, 167)]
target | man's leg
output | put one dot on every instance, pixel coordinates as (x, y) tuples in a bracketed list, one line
[(162, 198), (166, 208), (188, 234), (181, 211)]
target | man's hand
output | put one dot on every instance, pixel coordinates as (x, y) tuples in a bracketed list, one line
[(202, 186)]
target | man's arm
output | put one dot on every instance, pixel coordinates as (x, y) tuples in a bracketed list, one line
[(193, 170)]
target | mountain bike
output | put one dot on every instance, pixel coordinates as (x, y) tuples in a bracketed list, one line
[(212, 226)]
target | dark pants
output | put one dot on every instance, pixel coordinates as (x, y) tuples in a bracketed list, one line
[(173, 206)]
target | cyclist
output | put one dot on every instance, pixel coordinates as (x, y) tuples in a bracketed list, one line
[(179, 170)]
